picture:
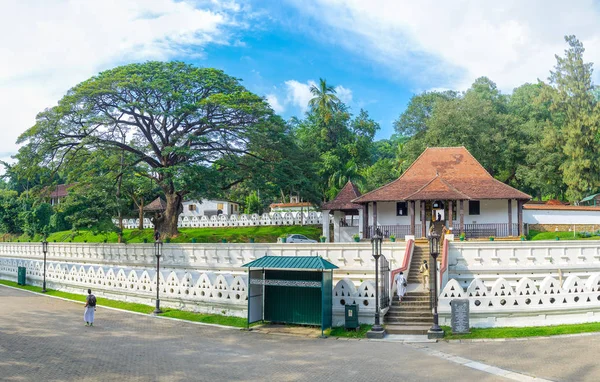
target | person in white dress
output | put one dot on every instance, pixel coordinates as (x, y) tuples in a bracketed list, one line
[(400, 281)]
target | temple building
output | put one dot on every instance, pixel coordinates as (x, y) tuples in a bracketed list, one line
[(447, 184)]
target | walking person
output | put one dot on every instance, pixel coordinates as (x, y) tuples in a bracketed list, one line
[(401, 284), (90, 308), (425, 273)]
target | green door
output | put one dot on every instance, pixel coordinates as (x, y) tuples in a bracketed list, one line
[(293, 297)]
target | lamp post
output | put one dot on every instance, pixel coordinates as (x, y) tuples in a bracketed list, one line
[(377, 330), (45, 250), (158, 253), (434, 250)]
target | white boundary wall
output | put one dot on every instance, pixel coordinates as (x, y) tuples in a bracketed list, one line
[(561, 217), (243, 220), (524, 283), (198, 277)]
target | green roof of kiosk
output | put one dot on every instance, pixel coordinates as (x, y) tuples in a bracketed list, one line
[(588, 198), (291, 262)]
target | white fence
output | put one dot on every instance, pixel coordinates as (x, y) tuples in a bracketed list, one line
[(243, 220), (198, 277), (524, 283)]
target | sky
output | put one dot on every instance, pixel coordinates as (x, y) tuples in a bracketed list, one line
[(377, 53)]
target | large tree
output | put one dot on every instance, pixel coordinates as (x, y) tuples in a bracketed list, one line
[(176, 119), (574, 99)]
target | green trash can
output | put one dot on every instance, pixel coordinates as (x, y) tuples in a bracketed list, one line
[(351, 317), (21, 274)]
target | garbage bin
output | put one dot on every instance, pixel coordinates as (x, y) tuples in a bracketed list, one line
[(21, 274), (351, 317)]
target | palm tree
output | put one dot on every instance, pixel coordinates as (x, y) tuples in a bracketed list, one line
[(324, 100)]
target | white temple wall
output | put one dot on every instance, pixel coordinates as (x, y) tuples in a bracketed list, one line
[(523, 283), (206, 278)]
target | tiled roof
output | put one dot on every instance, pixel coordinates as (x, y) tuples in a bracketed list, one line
[(559, 207), (59, 191), (291, 262), (287, 205), (343, 200), (157, 205), (444, 173)]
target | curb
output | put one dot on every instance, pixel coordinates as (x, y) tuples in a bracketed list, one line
[(126, 311), (586, 334)]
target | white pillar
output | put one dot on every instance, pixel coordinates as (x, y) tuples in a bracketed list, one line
[(325, 215), (361, 227)]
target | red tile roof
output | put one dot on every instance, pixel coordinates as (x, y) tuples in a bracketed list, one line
[(443, 173), (287, 205), (58, 191), (343, 200), (157, 205), (563, 207)]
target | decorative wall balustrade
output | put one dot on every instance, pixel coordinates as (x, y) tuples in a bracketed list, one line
[(353, 258), (513, 301), (516, 259), (243, 220), (212, 290)]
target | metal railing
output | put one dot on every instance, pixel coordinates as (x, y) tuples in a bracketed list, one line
[(399, 231), (491, 229)]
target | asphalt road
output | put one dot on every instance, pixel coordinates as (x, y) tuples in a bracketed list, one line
[(45, 339)]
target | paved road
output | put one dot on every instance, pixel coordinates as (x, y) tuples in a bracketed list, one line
[(45, 339)]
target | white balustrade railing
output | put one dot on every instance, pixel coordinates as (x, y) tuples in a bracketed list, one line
[(243, 220), (349, 257)]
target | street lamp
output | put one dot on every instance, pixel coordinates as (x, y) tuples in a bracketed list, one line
[(45, 250), (158, 253), (377, 330), (434, 250)]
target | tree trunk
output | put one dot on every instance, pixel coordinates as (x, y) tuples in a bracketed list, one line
[(166, 222), (141, 216)]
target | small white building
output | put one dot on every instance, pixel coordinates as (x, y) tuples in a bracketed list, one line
[(207, 207), (295, 205)]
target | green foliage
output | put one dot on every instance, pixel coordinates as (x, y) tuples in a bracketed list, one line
[(574, 98), (534, 331), (253, 204), (261, 234)]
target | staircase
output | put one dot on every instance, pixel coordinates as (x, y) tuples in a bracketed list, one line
[(413, 315)]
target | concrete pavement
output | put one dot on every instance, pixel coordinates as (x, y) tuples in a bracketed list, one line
[(42, 338)]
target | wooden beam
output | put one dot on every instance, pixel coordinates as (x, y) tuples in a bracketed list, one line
[(510, 231), (520, 216), (423, 222), (462, 216), (411, 207), (450, 217), (374, 218)]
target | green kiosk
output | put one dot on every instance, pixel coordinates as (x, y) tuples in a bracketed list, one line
[(290, 289)]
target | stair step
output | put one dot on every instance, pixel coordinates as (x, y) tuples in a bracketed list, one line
[(409, 321), (407, 329), (410, 313)]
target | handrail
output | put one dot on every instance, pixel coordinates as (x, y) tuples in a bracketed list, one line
[(444, 260), (408, 252)]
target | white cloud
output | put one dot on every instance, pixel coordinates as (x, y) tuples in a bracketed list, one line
[(449, 43), (298, 93), (344, 94), (275, 104), (48, 48)]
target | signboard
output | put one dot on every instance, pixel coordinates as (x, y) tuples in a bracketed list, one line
[(460, 316)]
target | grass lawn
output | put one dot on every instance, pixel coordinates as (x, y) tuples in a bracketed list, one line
[(342, 332), (538, 235), (261, 234), (534, 331), (140, 308)]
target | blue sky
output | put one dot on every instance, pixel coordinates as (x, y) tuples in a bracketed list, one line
[(378, 52)]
